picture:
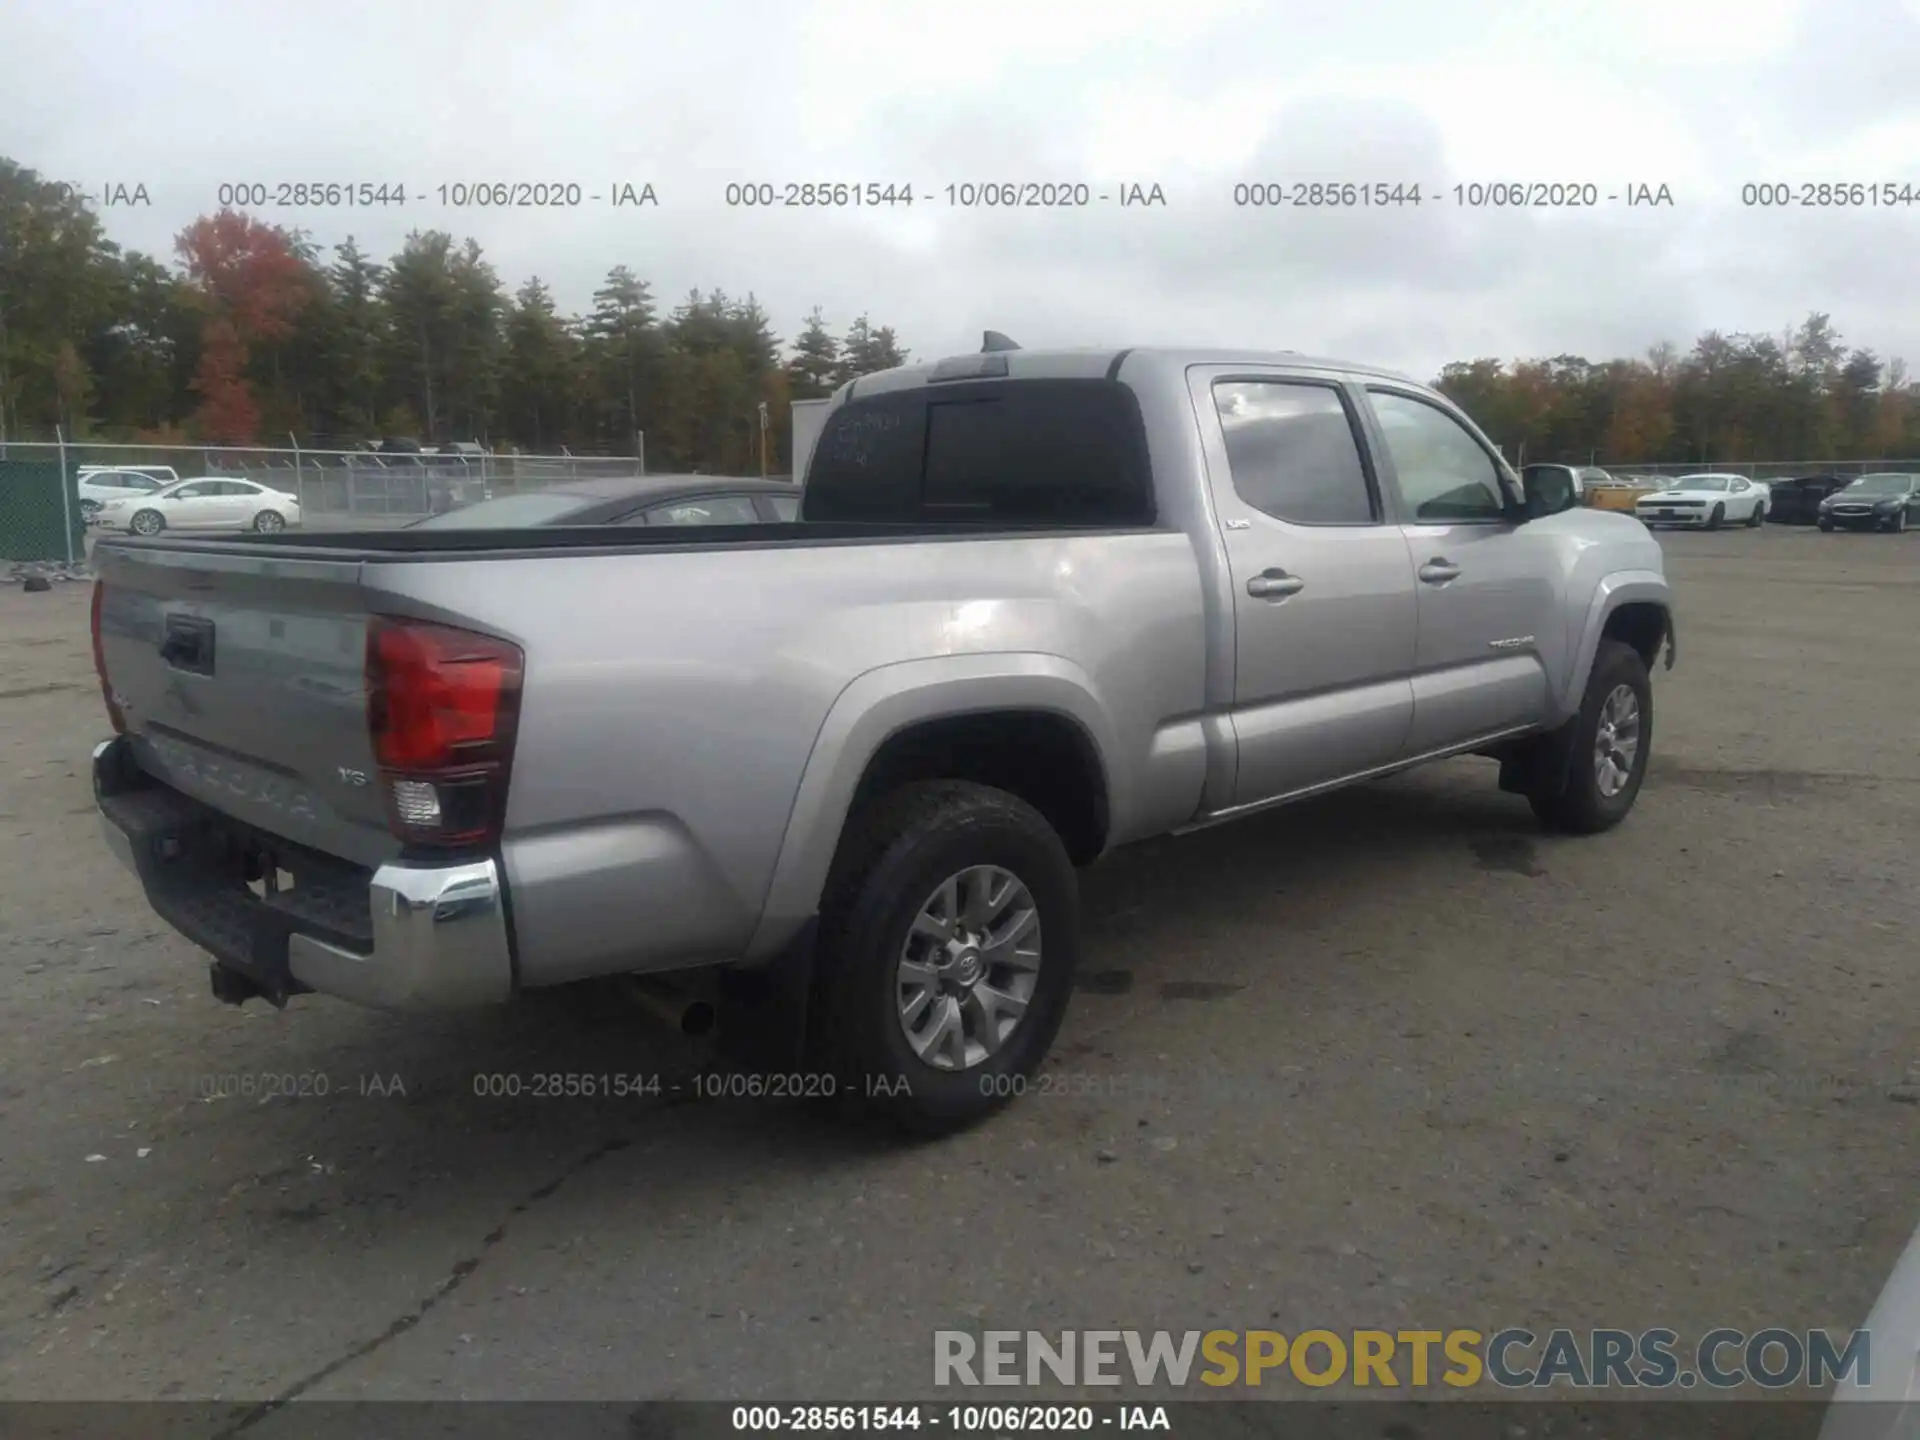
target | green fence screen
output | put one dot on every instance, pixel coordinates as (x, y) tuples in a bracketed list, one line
[(39, 517)]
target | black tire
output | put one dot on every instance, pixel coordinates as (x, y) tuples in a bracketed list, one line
[(155, 522), (269, 522), (1826, 526), (1898, 523), (1717, 518), (892, 859), (1758, 518), (1569, 797)]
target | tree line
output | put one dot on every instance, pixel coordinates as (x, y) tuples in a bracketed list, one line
[(250, 334), (1800, 395)]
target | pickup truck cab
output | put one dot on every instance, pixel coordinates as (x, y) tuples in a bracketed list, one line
[(1037, 605)]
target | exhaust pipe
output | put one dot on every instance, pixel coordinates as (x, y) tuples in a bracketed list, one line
[(672, 1006)]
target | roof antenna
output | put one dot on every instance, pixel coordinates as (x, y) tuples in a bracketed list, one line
[(993, 340)]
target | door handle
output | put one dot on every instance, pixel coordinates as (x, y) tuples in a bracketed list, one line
[(1275, 584), (1438, 571)]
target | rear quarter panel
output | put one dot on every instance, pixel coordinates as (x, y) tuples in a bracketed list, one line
[(674, 701)]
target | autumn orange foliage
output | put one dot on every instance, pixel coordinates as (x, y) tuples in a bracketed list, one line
[(253, 284)]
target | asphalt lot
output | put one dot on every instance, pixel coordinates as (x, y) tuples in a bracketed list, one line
[(1386, 1058)]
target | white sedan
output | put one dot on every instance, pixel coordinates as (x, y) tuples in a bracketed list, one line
[(1706, 502), (205, 503)]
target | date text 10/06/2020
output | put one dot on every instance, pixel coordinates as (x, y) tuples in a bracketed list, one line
[(959, 1419), (702, 1085)]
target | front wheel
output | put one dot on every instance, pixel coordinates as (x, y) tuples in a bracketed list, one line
[(147, 522), (1599, 758), (949, 937), (1899, 521), (1717, 518), (1826, 526)]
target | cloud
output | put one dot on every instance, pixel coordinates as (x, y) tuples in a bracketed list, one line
[(1703, 97)]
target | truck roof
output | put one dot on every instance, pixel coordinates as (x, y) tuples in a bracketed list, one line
[(1093, 362)]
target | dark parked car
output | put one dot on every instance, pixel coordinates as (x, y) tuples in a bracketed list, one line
[(1584, 477), (1873, 502), (1797, 501), (631, 500)]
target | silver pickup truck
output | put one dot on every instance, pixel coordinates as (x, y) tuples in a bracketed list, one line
[(1037, 605)]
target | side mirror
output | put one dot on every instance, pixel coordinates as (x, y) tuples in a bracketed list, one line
[(1549, 491)]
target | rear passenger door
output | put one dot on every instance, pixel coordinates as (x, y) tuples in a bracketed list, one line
[(232, 504), (194, 506), (1324, 609)]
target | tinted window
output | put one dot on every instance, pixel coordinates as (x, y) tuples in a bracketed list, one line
[(1059, 452), (1046, 452), (866, 464), (1444, 474), (1292, 453), (194, 492), (785, 507), (706, 510)]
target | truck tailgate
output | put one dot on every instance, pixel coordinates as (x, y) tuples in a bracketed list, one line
[(241, 678)]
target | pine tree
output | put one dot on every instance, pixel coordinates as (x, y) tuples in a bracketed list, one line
[(814, 368), (625, 353), (360, 327), (539, 390)]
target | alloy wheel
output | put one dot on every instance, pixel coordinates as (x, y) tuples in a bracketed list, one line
[(1616, 741), (967, 972)]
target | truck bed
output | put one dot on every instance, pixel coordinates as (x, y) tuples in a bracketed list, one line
[(676, 684)]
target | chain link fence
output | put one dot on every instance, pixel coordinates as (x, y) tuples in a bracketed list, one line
[(339, 488), (40, 521)]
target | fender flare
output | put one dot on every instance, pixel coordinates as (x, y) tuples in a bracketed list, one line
[(1622, 587), (877, 705)]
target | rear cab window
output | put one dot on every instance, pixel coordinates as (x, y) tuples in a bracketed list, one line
[(997, 453)]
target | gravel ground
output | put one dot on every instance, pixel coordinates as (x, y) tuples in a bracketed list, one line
[(1388, 1058)]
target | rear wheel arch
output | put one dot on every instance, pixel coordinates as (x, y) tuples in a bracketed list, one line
[(890, 725), (1046, 758)]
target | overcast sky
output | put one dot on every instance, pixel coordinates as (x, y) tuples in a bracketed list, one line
[(1702, 96)]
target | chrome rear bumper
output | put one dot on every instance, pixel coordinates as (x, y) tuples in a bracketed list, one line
[(401, 937)]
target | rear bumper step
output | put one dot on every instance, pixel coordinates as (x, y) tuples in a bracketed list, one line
[(402, 937)]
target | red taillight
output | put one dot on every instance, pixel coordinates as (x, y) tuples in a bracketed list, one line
[(100, 661), (441, 708)]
